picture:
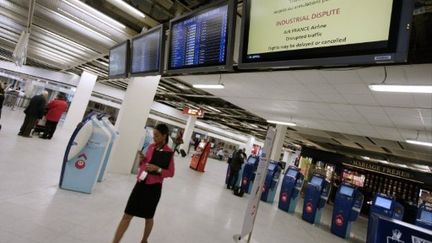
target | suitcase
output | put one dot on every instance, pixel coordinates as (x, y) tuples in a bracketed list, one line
[(238, 191), (183, 153)]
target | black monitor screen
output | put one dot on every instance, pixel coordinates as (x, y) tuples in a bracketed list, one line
[(200, 39), (426, 216), (292, 173), (146, 52), (346, 190), (281, 33), (383, 202), (316, 181), (118, 60)]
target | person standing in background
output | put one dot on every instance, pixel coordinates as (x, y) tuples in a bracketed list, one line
[(55, 110), (34, 111)]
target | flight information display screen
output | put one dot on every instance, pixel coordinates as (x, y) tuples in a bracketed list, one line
[(146, 52), (289, 30), (200, 39), (118, 60)]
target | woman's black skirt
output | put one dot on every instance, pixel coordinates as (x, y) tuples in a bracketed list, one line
[(144, 200)]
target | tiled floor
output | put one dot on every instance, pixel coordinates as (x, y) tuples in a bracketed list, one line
[(194, 207)]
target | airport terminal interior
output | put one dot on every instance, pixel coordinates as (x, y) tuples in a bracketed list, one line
[(285, 121)]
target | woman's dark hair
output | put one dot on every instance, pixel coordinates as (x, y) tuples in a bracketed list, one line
[(164, 130)]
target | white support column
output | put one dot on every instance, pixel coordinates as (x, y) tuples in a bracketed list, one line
[(190, 125), (279, 141), (80, 101), (249, 145), (134, 113)]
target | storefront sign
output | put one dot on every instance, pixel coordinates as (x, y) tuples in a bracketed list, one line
[(193, 112), (382, 169)]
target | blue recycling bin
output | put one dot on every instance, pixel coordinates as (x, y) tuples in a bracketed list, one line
[(290, 190), (346, 209)]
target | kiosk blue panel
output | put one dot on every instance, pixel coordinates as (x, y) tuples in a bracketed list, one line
[(290, 189), (386, 230), (346, 209), (249, 171), (386, 206), (84, 156), (271, 182), (424, 217), (114, 135), (316, 195)]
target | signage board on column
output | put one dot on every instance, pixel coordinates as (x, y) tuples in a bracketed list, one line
[(193, 112), (252, 208)]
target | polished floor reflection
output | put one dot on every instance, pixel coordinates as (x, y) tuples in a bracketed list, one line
[(195, 207)]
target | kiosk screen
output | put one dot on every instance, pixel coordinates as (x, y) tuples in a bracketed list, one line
[(271, 166), (426, 216), (251, 160), (347, 191), (292, 173), (316, 181), (383, 202)]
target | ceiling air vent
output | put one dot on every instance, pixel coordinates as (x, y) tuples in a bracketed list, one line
[(386, 150), (359, 145), (370, 140)]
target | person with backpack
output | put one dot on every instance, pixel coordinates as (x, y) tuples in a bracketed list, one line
[(236, 163)]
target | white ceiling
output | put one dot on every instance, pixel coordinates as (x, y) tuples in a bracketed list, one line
[(335, 100)]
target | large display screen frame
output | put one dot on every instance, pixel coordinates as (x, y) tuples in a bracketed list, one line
[(229, 50), (127, 63), (160, 29), (396, 52)]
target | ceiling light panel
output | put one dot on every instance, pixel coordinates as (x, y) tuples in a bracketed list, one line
[(95, 14), (68, 23), (127, 8)]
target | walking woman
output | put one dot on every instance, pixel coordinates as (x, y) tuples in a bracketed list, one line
[(144, 197)]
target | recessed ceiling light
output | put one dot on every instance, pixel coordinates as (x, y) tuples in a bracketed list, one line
[(292, 124), (127, 8), (426, 89), (209, 86), (419, 143)]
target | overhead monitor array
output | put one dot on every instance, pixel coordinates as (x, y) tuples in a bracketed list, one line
[(275, 34)]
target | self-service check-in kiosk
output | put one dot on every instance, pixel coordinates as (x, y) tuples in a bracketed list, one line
[(114, 135), (387, 230), (271, 182), (347, 205), (386, 206), (317, 193), (249, 171), (424, 217), (290, 190), (84, 155)]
